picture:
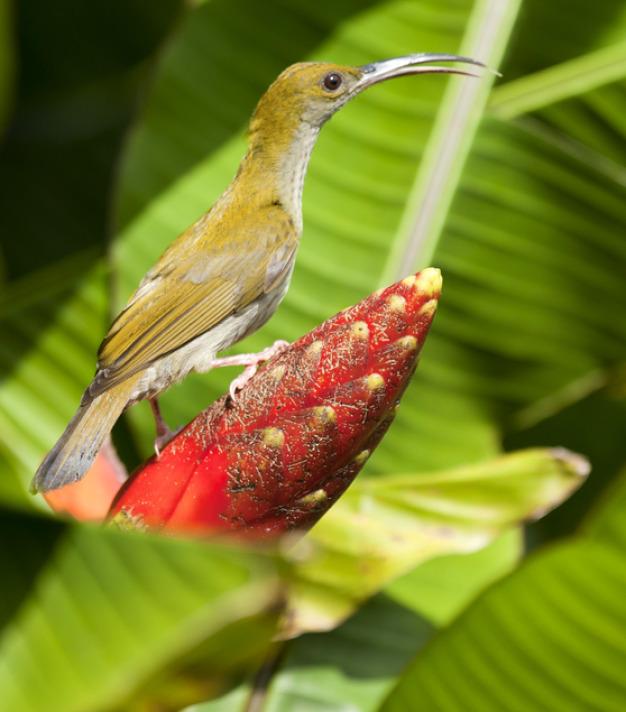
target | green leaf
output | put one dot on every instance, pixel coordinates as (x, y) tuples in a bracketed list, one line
[(449, 142), (547, 637), (384, 527), (440, 588), (111, 619), (572, 78)]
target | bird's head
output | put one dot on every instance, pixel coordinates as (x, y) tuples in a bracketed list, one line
[(311, 92), (289, 115)]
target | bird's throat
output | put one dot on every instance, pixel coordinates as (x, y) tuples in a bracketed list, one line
[(275, 166), (291, 171)]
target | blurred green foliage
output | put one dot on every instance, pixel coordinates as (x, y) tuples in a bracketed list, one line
[(121, 122), (563, 610)]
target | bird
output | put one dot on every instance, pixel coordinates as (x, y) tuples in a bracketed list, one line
[(225, 275)]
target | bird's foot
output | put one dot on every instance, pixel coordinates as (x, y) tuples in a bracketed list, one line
[(163, 433), (238, 383), (251, 362), (163, 438)]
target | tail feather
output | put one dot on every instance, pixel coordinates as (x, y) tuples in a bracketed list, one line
[(76, 449)]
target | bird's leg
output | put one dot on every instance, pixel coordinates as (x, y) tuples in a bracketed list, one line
[(163, 433), (250, 361)]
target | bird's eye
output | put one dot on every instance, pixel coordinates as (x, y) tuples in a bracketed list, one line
[(332, 81)]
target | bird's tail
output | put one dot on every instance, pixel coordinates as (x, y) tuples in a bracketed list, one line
[(77, 448)]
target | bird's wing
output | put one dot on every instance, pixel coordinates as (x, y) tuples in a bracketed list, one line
[(181, 300)]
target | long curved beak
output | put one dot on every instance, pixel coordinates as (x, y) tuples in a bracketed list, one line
[(412, 64)]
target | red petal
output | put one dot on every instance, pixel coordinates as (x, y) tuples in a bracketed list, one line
[(89, 499)]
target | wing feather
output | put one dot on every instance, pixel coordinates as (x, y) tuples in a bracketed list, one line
[(166, 313)]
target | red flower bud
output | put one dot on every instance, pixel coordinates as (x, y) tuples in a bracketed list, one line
[(298, 433)]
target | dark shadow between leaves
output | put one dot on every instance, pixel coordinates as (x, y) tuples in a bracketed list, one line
[(376, 642), (27, 543), (595, 427)]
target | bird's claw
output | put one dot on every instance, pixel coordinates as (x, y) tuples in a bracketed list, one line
[(238, 383), (162, 439), (252, 361)]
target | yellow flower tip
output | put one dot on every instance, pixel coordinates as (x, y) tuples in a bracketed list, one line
[(428, 282), (361, 457), (278, 372), (375, 381), (315, 347), (360, 329), (273, 437), (428, 308), (409, 281), (313, 498), (127, 521), (407, 342), (325, 414), (396, 303)]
